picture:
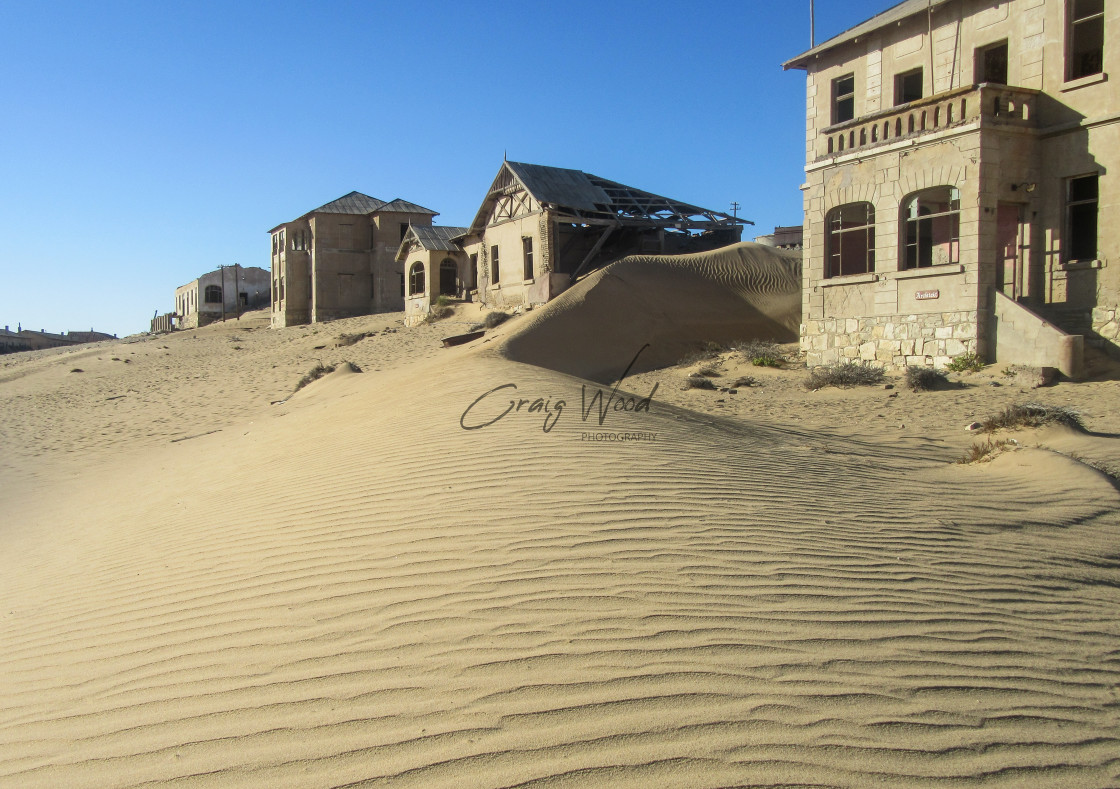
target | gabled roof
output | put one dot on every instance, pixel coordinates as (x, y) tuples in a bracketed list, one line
[(903, 10), (431, 238), (405, 207), (590, 197)]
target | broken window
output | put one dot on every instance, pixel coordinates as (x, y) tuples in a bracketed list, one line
[(850, 244), (1084, 38), (527, 251), (908, 87), (474, 270), (275, 240), (213, 294), (991, 63), (933, 226), (843, 98), (1081, 221), (494, 264), (404, 230), (299, 240), (416, 279)]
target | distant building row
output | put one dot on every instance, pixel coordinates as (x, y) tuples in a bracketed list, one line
[(537, 229), (27, 340)]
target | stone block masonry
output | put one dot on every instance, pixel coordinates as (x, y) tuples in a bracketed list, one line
[(893, 342)]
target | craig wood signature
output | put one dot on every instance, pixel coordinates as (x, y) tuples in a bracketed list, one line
[(553, 409)]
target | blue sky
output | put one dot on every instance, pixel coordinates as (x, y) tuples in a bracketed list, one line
[(146, 143)]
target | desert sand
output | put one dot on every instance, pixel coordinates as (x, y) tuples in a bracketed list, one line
[(207, 580)]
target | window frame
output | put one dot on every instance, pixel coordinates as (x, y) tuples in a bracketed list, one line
[(527, 257), (1077, 26), (495, 271), (900, 81), (1069, 249), (416, 272), (210, 289), (848, 97), (980, 62), (834, 238), (911, 204)]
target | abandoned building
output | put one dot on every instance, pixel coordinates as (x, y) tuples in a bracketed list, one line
[(959, 163), (340, 260), (539, 228), (782, 238), (26, 340), (434, 265), (224, 293)]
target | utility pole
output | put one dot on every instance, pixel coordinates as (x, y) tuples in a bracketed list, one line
[(812, 25), (735, 208), (237, 291)]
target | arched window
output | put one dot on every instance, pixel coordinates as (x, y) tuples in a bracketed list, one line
[(933, 227), (213, 294), (416, 279), (850, 241), (448, 278)]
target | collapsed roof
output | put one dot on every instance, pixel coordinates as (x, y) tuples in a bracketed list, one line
[(592, 200)]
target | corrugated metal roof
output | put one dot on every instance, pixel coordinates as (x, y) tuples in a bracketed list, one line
[(405, 207), (438, 237), (353, 203), (560, 186), (903, 10)]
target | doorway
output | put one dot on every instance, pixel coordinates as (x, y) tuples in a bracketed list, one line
[(448, 278), (1009, 270)]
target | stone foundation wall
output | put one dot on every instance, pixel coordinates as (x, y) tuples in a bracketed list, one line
[(891, 341), (1106, 324)]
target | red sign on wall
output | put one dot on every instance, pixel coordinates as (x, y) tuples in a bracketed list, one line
[(927, 294)]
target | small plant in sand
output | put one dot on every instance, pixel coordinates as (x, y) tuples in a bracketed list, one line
[(698, 382), (978, 453), (352, 339), (844, 374), (744, 381), (316, 372), (923, 379), (495, 318), (1032, 415), (710, 370), (760, 353), (440, 309), (965, 363)]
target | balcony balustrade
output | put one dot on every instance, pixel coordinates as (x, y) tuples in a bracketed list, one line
[(991, 105)]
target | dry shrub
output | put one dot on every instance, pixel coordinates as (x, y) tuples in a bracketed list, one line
[(1032, 415), (495, 318), (352, 339), (844, 374), (923, 379), (709, 371), (698, 382), (760, 353), (316, 372), (981, 452), (743, 381), (441, 308)]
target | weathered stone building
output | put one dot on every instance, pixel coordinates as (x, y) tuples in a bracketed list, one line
[(434, 265), (540, 227), (959, 180), (340, 259), (226, 292)]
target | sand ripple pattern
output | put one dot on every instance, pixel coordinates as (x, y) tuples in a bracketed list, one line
[(394, 601)]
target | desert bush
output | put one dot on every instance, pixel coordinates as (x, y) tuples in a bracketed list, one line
[(760, 353), (698, 382), (708, 370), (440, 309), (979, 452), (1032, 415), (352, 339), (844, 374), (923, 379), (495, 318), (316, 372), (743, 381), (965, 363)]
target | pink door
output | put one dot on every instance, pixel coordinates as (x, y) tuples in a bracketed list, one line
[(1008, 277)]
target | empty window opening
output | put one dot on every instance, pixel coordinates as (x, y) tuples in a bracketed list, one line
[(1085, 38), (850, 243), (1081, 221), (527, 251), (908, 86), (991, 63), (843, 98), (474, 270), (299, 240), (213, 294), (494, 278), (416, 279), (243, 297), (933, 223)]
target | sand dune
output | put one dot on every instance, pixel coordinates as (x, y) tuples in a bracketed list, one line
[(349, 589), (672, 303)]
